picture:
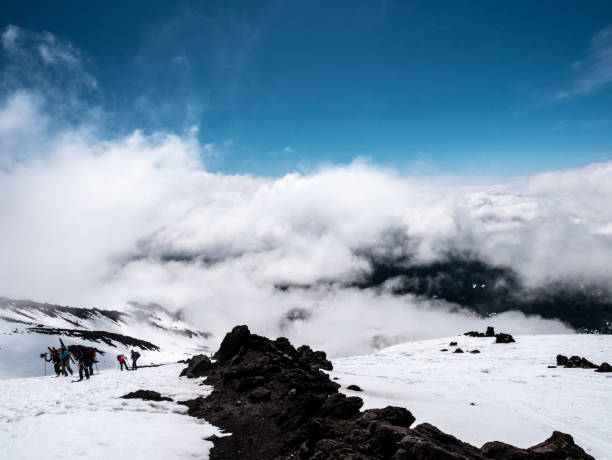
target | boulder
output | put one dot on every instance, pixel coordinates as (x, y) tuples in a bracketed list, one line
[(490, 332), (604, 367), (146, 395), (198, 366), (354, 388), (561, 360), (504, 338), (458, 350)]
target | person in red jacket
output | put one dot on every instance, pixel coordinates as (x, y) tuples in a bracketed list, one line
[(122, 362)]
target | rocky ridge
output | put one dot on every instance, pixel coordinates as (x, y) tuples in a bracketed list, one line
[(277, 403)]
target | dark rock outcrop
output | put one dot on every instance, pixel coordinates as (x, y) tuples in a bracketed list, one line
[(604, 367), (109, 338), (504, 338), (475, 351), (197, 367), (146, 395), (354, 388), (458, 350), (583, 363), (576, 362), (559, 445), (452, 344), (278, 404), (490, 332)]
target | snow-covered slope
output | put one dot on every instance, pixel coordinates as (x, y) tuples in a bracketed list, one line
[(27, 328), (517, 398), (48, 417)]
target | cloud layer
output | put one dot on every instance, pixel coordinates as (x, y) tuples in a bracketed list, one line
[(101, 222)]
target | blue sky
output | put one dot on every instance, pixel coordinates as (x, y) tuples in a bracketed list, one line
[(462, 87)]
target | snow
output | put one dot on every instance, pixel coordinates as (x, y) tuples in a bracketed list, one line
[(517, 398), (49, 417)]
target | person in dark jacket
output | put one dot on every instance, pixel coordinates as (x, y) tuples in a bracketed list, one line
[(54, 357), (85, 357), (134, 355)]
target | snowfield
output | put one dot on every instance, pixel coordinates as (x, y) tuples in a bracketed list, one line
[(517, 398), (49, 417)]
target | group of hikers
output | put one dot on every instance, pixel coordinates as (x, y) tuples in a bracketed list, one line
[(84, 357)]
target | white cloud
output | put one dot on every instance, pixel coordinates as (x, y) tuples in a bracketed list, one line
[(100, 222), (595, 71), (288, 149)]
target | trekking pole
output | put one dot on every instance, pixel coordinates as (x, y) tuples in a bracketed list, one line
[(45, 366)]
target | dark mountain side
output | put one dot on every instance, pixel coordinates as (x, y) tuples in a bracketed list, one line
[(278, 404), (490, 289)]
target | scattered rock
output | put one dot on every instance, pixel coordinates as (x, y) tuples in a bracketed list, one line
[(475, 351), (444, 349), (354, 388), (472, 404), (552, 367), (561, 360), (604, 367), (277, 403), (146, 395), (458, 350), (499, 338), (452, 344), (504, 338), (198, 366)]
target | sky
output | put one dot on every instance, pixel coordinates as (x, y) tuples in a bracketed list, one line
[(205, 156), (478, 89)]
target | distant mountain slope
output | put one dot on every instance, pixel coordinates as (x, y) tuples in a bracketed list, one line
[(27, 328)]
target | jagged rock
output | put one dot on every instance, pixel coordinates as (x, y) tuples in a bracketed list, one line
[(198, 366), (458, 350), (146, 395), (504, 338), (604, 367), (317, 359), (561, 360), (490, 332), (277, 403), (354, 388), (475, 334), (231, 343), (452, 344), (475, 351), (578, 362), (558, 446)]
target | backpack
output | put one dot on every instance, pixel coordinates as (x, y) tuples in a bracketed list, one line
[(64, 354), (136, 354)]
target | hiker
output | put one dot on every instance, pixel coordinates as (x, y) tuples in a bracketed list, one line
[(85, 358), (54, 356), (135, 355), (122, 362), (65, 358)]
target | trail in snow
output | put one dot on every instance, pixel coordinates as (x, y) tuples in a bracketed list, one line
[(517, 399), (49, 417)]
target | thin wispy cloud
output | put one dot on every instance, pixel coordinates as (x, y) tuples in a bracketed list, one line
[(595, 71)]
